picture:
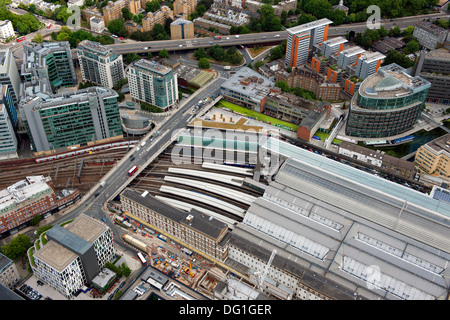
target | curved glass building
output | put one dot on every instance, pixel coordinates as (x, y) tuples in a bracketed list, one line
[(387, 103)]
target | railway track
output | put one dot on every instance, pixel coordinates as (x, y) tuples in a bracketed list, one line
[(64, 172)]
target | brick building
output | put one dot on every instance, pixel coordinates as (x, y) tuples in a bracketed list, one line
[(25, 199)]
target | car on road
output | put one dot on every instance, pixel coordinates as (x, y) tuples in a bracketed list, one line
[(103, 219), (180, 45), (49, 26), (114, 36), (121, 38), (276, 36), (237, 36), (228, 38), (145, 48)]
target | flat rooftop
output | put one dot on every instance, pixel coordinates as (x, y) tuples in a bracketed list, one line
[(55, 255), (310, 25), (86, 228), (152, 66)]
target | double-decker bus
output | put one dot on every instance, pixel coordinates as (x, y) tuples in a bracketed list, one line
[(141, 258), (132, 170), (19, 39)]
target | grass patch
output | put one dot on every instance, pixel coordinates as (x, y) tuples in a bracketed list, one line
[(254, 114), (324, 136)]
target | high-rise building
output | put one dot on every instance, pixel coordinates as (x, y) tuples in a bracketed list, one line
[(387, 103), (181, 29), (100, 64), (434, 66), (52, 60), (301, 40), (153, 83), (429, 35), (71, 118), (367, 64), (8, 124), (9, 74), (73, 255)]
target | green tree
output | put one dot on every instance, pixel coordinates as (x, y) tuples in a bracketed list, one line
[(126, 13), (411, 47), (200, 53), (203, 63), (35, 220), (152, 6), (38, 38), (138, 18), (115, 26), (163, 53), (17, 247)]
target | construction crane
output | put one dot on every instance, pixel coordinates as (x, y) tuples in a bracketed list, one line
[(262, 275)]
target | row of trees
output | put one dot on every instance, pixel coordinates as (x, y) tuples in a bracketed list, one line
[(216, 52), (75, 37), (296, 90), (23, 24)]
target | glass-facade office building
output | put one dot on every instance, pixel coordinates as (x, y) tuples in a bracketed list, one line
[(56, 121), (153, 83), (387, 103)]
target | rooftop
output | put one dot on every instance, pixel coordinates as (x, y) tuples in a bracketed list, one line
[(310, 25), (392, 81), (86, 228), (151, 66), (249, 83), (55, 255), (441, 144), (431, 27), (200, 221)]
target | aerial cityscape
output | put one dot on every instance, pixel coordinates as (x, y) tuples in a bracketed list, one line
[(223, 150)]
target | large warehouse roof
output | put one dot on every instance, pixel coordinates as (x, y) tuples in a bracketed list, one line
[(338, 223)]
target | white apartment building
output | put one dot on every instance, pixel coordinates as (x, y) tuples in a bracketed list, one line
[(74, 255), (100, 64), (6, 30), (97, 24)]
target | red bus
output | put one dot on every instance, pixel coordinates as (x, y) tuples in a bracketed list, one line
[(132, 171), (19, 39), (141, 257)]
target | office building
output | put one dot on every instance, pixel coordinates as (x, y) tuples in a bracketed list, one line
[(247, 88), (342, 234), (301, 40), (6, 30), (153, 83), (181, 29), (434, 156), (387, 103), (71, 118), (430, 35), (313, 120), (73, 255), (9, 74), (195, 230), (30, 197), (434, 66), (100, 64), (8, 125), (51, 60), (9, 275)]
